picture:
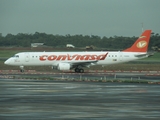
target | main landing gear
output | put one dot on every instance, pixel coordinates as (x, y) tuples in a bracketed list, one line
[(21, 68), (79, 70)]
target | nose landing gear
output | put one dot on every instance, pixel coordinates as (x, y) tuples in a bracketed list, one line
[(21, 68)]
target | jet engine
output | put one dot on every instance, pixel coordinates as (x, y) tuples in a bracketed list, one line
[(64, 66)]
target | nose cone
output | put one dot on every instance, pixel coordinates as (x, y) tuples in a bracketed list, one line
[(7, 62)]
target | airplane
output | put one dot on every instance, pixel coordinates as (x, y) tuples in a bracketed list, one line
[(77, 60)]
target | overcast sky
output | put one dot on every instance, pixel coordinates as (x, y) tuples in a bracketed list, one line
[(86, 17)]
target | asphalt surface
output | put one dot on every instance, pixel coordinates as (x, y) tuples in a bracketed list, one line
[(59, 100)]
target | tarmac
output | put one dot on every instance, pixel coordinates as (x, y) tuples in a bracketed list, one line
[(65, 100)]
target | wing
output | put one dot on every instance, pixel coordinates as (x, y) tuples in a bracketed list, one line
[(83, 63), (86, 63), (141, 55)]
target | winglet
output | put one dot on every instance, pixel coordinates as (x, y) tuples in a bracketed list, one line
[(141, 44)]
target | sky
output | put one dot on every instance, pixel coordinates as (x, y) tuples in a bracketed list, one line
[(86, 17)]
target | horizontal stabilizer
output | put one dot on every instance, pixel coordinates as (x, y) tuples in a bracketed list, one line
[(141, 55)]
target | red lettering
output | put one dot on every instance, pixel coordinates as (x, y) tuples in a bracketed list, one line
[(43, 57), (93, 57), (71, 58), (84, 57), (52, 57), (78, 57), (74, 57), (61, 57), (102, 57)]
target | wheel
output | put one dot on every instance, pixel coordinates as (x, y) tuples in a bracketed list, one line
[(21, 70), (76, 70), (81, 70)]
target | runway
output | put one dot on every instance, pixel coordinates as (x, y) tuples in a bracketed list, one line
[(60, 100)]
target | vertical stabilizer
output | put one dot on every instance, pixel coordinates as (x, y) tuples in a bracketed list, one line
[(141, 44)]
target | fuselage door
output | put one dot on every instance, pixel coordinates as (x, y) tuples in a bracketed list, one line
[(120, 56), (27, 57)]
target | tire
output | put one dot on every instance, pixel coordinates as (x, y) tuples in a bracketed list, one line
[(77, 70), (21, 70), (81, 70)]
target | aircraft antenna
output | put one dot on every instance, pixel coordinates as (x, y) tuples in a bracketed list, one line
[(142, 26)]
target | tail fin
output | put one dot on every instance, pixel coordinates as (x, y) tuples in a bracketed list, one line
[(141, 44)]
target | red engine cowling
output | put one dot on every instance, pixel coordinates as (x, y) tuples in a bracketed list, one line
[(64, 66)]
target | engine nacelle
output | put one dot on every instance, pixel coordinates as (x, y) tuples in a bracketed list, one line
[(63, 66)]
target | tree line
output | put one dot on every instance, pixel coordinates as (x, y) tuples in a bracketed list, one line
[(110, 43)]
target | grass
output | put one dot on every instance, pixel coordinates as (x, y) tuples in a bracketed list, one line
[(155, 57), (6, 53)]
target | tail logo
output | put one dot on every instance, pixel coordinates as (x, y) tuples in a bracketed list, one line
[(142, 36), (141, 44)]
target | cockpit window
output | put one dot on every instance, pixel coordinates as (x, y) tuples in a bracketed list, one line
[(17, 56)]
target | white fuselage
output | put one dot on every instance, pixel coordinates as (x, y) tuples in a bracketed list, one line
[(54, 58)]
